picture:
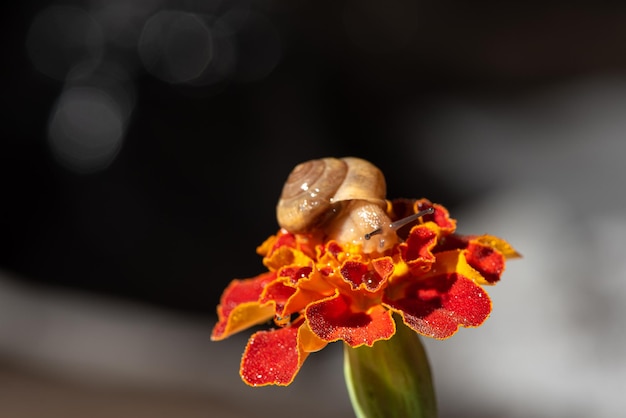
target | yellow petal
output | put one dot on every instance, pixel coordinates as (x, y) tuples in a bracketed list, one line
[(308, 341), (286, 256), (499, 244), (244, 316), (454, 261)]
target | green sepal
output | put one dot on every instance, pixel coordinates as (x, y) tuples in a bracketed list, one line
[(392, 378)]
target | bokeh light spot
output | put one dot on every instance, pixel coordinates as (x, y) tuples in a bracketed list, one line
[(61, 37), (175, 46), (86, 129)]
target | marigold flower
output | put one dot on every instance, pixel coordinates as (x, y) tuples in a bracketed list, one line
[(319, 289), (344, 260)]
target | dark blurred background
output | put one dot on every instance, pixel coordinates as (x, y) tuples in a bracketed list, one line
[(146, 162), (144, 144)]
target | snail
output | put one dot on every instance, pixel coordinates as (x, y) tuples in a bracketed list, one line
[(343, 197)]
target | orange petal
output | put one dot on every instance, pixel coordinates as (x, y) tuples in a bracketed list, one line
[(286, 256), (300, 300), (383, 266), (310, 289), (267, 246), (332, 319), (308, 341), (239, 307)]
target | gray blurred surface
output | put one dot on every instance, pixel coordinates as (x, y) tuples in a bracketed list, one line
[(71, 355)]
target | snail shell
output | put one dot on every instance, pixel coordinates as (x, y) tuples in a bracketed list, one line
[(343, 197)]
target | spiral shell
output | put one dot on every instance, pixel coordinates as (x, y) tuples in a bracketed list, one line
[(315, 190), (344, 197)]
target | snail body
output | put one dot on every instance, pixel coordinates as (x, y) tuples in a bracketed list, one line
[(343, 197)]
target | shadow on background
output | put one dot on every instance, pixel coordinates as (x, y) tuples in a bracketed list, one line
[(144, 147)]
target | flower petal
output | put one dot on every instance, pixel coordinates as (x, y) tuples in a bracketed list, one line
[(436, 306), (272, 357), (290, 299), (239, 307), (487, 260), (281, 239), (278, 293), (332, 319), (455, 261), (308, 341), (369, 276), (485, 253), (441, 216), (416, 252), (499, 244), (286, 256)]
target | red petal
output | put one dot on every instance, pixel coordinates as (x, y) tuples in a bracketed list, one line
[(295, 273), (237, 293), (272, 358), (417, 249), (284, 240), (359, 274), (279, 293), (334, 248), (332, 320), (488, 261), (453, 242), (383, 266), (441, 216), (438, 305)]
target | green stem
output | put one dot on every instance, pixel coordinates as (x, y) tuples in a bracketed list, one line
[(391, 379)]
